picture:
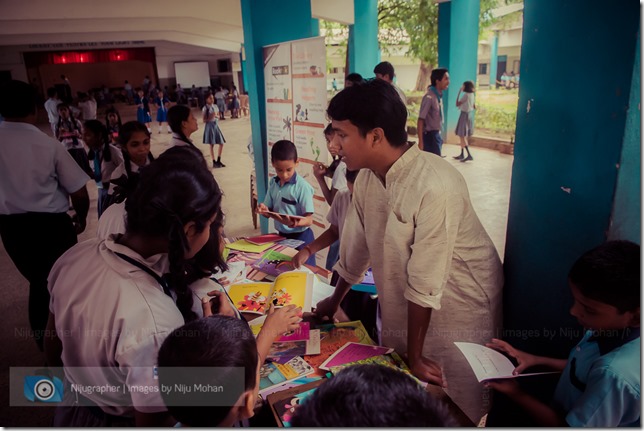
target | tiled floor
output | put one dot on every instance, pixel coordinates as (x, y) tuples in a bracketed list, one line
[(488, 178)]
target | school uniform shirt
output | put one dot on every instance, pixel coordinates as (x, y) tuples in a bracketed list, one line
[(51, 106), (112, 221), (70, 126), (113, 315), (293, 198), (431, 110), (120, 174), (36, 173), (177, 141), (338, 212), (339, 180), (419, 233), (88, 109), (467, 102), (600, 386), (107, 168)]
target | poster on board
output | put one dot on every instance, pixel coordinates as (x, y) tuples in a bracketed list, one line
[(296, 101)]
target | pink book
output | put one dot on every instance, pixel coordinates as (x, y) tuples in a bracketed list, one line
[(264, 239), (353, 352), (300, 334)]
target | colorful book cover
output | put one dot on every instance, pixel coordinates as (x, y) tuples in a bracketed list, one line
[(303, 333), (334, 336), (293, 243), (289, 385), (353, 352), (284, 402), (292, 287), (391, 360), (243, 245), (265, 239), (283, 351), (273, 263), (272, 373)]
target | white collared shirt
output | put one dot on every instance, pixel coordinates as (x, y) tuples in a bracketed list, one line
[(36, 173)]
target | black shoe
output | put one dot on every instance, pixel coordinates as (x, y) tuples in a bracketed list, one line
[(459, 157), (214, 164), (468, 158), (220, 165)]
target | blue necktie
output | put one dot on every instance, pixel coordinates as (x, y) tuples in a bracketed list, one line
[(97, 170)]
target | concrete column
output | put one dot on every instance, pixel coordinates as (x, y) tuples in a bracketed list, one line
[(570, 134), (264, 24), (494, 58), (363, 38), (458, 36), (627, 209)]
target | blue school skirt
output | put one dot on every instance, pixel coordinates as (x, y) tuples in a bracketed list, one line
[(142, 116), (162, 115), (212, 134), (465, 125)]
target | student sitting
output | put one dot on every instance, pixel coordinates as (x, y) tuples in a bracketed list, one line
[(371, 396), (219, 346), (600, 383), (289, 194)]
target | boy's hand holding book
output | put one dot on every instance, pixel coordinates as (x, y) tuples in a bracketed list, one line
[(524, 360)]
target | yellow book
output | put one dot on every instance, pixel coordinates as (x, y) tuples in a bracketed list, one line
[(293, 287)]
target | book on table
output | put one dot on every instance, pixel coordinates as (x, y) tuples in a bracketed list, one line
[(274, 263), (488, 364), (264, 239), (273, 373), (293, 287), (284, 403)]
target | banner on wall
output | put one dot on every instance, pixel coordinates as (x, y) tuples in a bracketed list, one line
[(296, 101)]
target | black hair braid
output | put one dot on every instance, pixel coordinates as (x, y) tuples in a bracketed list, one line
[(177, 246)]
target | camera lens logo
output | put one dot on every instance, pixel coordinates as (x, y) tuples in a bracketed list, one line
[(43, 389)]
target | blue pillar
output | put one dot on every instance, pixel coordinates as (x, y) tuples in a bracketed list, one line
[(494, 59), (265, 24), (458, 38), (242, 58), (444, 20), (565, 158), (363, 48), (627, 208)]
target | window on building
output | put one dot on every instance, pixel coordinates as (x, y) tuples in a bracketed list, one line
[(336, 70), (482, 68)]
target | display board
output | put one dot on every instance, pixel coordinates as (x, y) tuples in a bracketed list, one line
[(296, 101), (195, 73)]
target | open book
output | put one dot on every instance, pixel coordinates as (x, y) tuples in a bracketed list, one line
[(293, 287), (488, 364)]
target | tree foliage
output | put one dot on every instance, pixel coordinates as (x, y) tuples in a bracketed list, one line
[(415, 23)]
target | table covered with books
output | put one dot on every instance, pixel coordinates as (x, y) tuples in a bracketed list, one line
[(258, 275)]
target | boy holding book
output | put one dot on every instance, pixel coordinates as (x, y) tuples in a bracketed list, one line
[(289, 198), (600, 383)]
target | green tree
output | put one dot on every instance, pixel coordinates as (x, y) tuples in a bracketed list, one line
[(415, 23)]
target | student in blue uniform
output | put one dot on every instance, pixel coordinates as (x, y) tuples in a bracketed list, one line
[(212, 134), (289, 194), (143, 109), (162, 103), (600, 383)]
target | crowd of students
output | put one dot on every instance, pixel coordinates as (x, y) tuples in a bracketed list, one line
[(139, 297)]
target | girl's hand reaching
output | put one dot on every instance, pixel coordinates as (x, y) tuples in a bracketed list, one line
[(218, 301), (282, 320)]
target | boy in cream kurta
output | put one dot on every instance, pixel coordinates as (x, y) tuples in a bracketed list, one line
[(411, 219)]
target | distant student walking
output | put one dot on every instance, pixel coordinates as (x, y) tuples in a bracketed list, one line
[(212, 134), (465, 124)]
